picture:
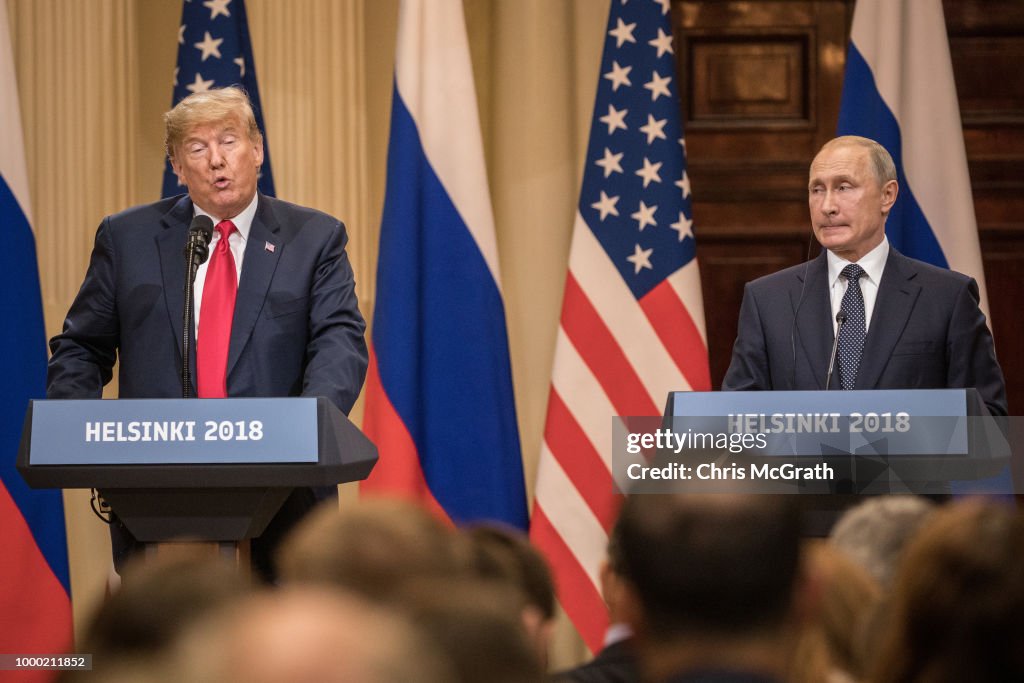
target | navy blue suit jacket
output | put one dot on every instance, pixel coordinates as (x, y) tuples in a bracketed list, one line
[(296, 331), (926, 332)]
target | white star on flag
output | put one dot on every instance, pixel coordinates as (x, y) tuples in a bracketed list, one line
[(658, 85), (623, 33), (663, 42), (606, 205), (684, 185), (684, 226), (241, 66), (618, 76), (640, 259), (610, 163), (217, 7), (654, 129), (199, 85), (649, 172), (209, 46), (181, 34), (664, 5), (644, 216), (615, 118)]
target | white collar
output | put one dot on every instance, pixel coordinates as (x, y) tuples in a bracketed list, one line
[(872, 262), (243, 221)]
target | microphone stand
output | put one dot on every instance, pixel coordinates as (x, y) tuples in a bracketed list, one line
[(840, 319), (197, 250)]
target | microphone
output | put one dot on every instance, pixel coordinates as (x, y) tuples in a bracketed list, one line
[(840, 318), (197, 250)]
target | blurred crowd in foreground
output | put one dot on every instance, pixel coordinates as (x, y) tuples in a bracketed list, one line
[(719, 588)]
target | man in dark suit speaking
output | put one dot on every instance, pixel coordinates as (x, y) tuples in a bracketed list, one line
[(275, 304), (902, 324)]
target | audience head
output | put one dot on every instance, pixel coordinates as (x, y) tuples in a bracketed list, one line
[(957, 600), (475, 623), (875, 532), (370, 548), (160, 597), (505, 555), (307, 635), (834, 639), (611, 574), (710, 564), (151, 668)]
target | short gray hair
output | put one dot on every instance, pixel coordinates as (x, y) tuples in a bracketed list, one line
[(881, 161), (874, 533)]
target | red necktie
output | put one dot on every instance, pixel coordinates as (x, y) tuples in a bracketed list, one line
[(215, 314)]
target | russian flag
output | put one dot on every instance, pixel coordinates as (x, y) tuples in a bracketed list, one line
[(899, 90), (439, 402), (35, 604)]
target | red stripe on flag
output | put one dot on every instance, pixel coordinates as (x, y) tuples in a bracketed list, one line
[(579, 459), (602, 354), (35, 610), (398, 473), (577, 594), (675, 328)]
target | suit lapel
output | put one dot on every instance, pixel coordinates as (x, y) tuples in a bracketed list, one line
[(257, 271), (171, 246), (896, 297), (813, 322)]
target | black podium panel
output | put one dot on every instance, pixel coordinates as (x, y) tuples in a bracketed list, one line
[(199, 514)]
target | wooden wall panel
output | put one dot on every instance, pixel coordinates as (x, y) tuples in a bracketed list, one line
[(748, 77)]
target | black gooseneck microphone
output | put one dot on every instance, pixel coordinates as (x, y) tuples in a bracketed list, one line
[(840, 318), (197, 250)]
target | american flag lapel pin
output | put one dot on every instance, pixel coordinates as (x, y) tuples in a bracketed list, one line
[(269, 247)]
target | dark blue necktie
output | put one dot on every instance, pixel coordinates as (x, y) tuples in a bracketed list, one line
[(854, 330)]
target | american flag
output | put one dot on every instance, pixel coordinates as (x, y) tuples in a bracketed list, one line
[(214, 51), (632, 326)]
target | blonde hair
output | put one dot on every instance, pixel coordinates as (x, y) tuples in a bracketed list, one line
[(211, 106)]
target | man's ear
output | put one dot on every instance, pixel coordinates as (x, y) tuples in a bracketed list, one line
[(889, 192), (176, 167), (630, 608), (808, 588), (258, 151)]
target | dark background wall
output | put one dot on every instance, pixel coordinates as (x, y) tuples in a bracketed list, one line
[(761, 82)]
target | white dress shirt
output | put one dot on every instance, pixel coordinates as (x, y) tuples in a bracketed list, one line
[(237, 242)]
